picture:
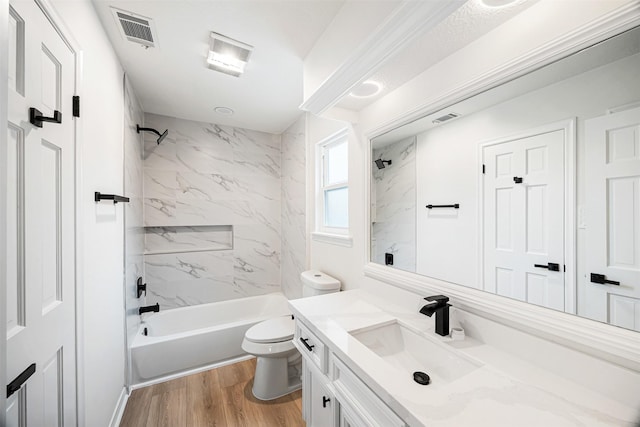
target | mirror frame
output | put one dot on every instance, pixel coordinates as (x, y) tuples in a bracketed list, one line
[(611, 343)]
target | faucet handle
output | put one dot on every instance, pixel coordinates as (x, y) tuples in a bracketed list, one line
[(439, 299)]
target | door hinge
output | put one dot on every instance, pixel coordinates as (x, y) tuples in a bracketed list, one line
[(76, 106)]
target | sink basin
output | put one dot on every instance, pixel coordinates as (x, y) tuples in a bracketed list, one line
[(411, 352)]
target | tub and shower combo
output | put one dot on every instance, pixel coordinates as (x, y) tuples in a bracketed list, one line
[(198, 337)]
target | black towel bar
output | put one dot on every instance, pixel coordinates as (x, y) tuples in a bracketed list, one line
[(455, 206), (99, 196)]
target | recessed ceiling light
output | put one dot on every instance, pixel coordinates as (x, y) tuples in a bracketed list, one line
[(367, 89), (225, 111), (496, 4), (227, 55)]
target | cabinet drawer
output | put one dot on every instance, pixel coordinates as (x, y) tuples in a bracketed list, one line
[(361, 405), (311, 348)]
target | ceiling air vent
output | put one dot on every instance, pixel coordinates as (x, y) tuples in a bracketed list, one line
[(135, 28), (446, 117)]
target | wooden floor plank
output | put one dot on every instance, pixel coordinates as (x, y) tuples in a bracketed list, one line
[(137, 410), (168, 409), (204, 400), (219, 397)]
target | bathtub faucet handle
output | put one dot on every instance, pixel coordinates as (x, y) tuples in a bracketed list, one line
[(150, 308)]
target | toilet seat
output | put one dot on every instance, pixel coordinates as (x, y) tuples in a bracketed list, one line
[(275, 330)]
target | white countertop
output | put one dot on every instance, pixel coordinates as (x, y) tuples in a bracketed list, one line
[(503, 391)]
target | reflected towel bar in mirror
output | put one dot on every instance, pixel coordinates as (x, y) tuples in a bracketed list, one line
[(455, 206), (99, 196)]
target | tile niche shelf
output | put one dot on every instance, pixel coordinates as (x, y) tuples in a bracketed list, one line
[(172, 239)]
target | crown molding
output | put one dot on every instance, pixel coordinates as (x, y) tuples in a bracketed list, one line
[(408, 21)]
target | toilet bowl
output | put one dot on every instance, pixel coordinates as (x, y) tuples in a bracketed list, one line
[(279, 364)]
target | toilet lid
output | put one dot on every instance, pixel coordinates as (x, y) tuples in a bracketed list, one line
[(273, 330)]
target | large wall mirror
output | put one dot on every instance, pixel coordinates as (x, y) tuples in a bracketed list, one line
[(530, 190)]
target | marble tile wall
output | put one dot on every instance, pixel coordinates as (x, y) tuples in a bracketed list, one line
[(394, 227), (293, 208), (133, 211), (208, 175)]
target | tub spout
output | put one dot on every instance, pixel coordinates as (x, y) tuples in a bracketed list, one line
[(150, 308)]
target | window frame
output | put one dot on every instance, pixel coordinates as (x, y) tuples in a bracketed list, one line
[(322, 171)]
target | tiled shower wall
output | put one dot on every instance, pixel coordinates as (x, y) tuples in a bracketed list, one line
[(293, 208), (212, 212)]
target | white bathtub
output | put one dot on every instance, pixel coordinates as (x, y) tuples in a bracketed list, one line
[(187, 338)]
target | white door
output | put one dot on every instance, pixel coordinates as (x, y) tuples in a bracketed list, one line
[(40, 271), (523, 219), (612, 285)]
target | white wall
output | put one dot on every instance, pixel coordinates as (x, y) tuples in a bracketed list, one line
[(100, 290), (337, 261)]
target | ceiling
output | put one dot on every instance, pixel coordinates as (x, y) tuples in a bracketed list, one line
[(173, 78)]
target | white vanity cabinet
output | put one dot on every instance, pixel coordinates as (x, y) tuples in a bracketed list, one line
[(332, 395), (318, 401)]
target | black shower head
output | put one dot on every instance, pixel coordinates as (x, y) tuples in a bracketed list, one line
[(161, 136), (380, 163)]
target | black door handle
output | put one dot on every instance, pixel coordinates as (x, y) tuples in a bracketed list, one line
[(304, 341), (325, 400), (517, 179), (552, 266), (15, 385), (36, 118), (602, 280)]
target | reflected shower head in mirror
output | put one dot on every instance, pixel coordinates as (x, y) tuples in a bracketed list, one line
[(161, 136), (380, 163)]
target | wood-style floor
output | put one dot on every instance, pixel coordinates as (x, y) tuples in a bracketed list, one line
[(219, 397)]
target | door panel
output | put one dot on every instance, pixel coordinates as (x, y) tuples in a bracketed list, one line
[(41, 186), (16, 52), (613, 219), (53, 394), (15, 229), (624, 311), (623, 235), (537, 217), (523, 218), (17, 408)]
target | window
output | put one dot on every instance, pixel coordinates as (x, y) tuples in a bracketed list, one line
[(332, 211)]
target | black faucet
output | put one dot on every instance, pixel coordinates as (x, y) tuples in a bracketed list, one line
[(150, 308), (438, 304)]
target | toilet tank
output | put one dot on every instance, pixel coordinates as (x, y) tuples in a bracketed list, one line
[(315, 282)]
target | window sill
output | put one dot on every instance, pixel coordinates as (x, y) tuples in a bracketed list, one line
[(333, 239)]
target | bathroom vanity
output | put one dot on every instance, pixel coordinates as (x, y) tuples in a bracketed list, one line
[(360, 352)]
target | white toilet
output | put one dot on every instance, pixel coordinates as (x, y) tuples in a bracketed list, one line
[(271, 341)]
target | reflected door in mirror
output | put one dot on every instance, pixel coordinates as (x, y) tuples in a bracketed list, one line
[(613, 222), (523, 218)]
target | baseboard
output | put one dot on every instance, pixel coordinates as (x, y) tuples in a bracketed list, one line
[(119, 409)]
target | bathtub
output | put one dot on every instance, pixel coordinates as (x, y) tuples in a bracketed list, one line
[(184, 339)]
